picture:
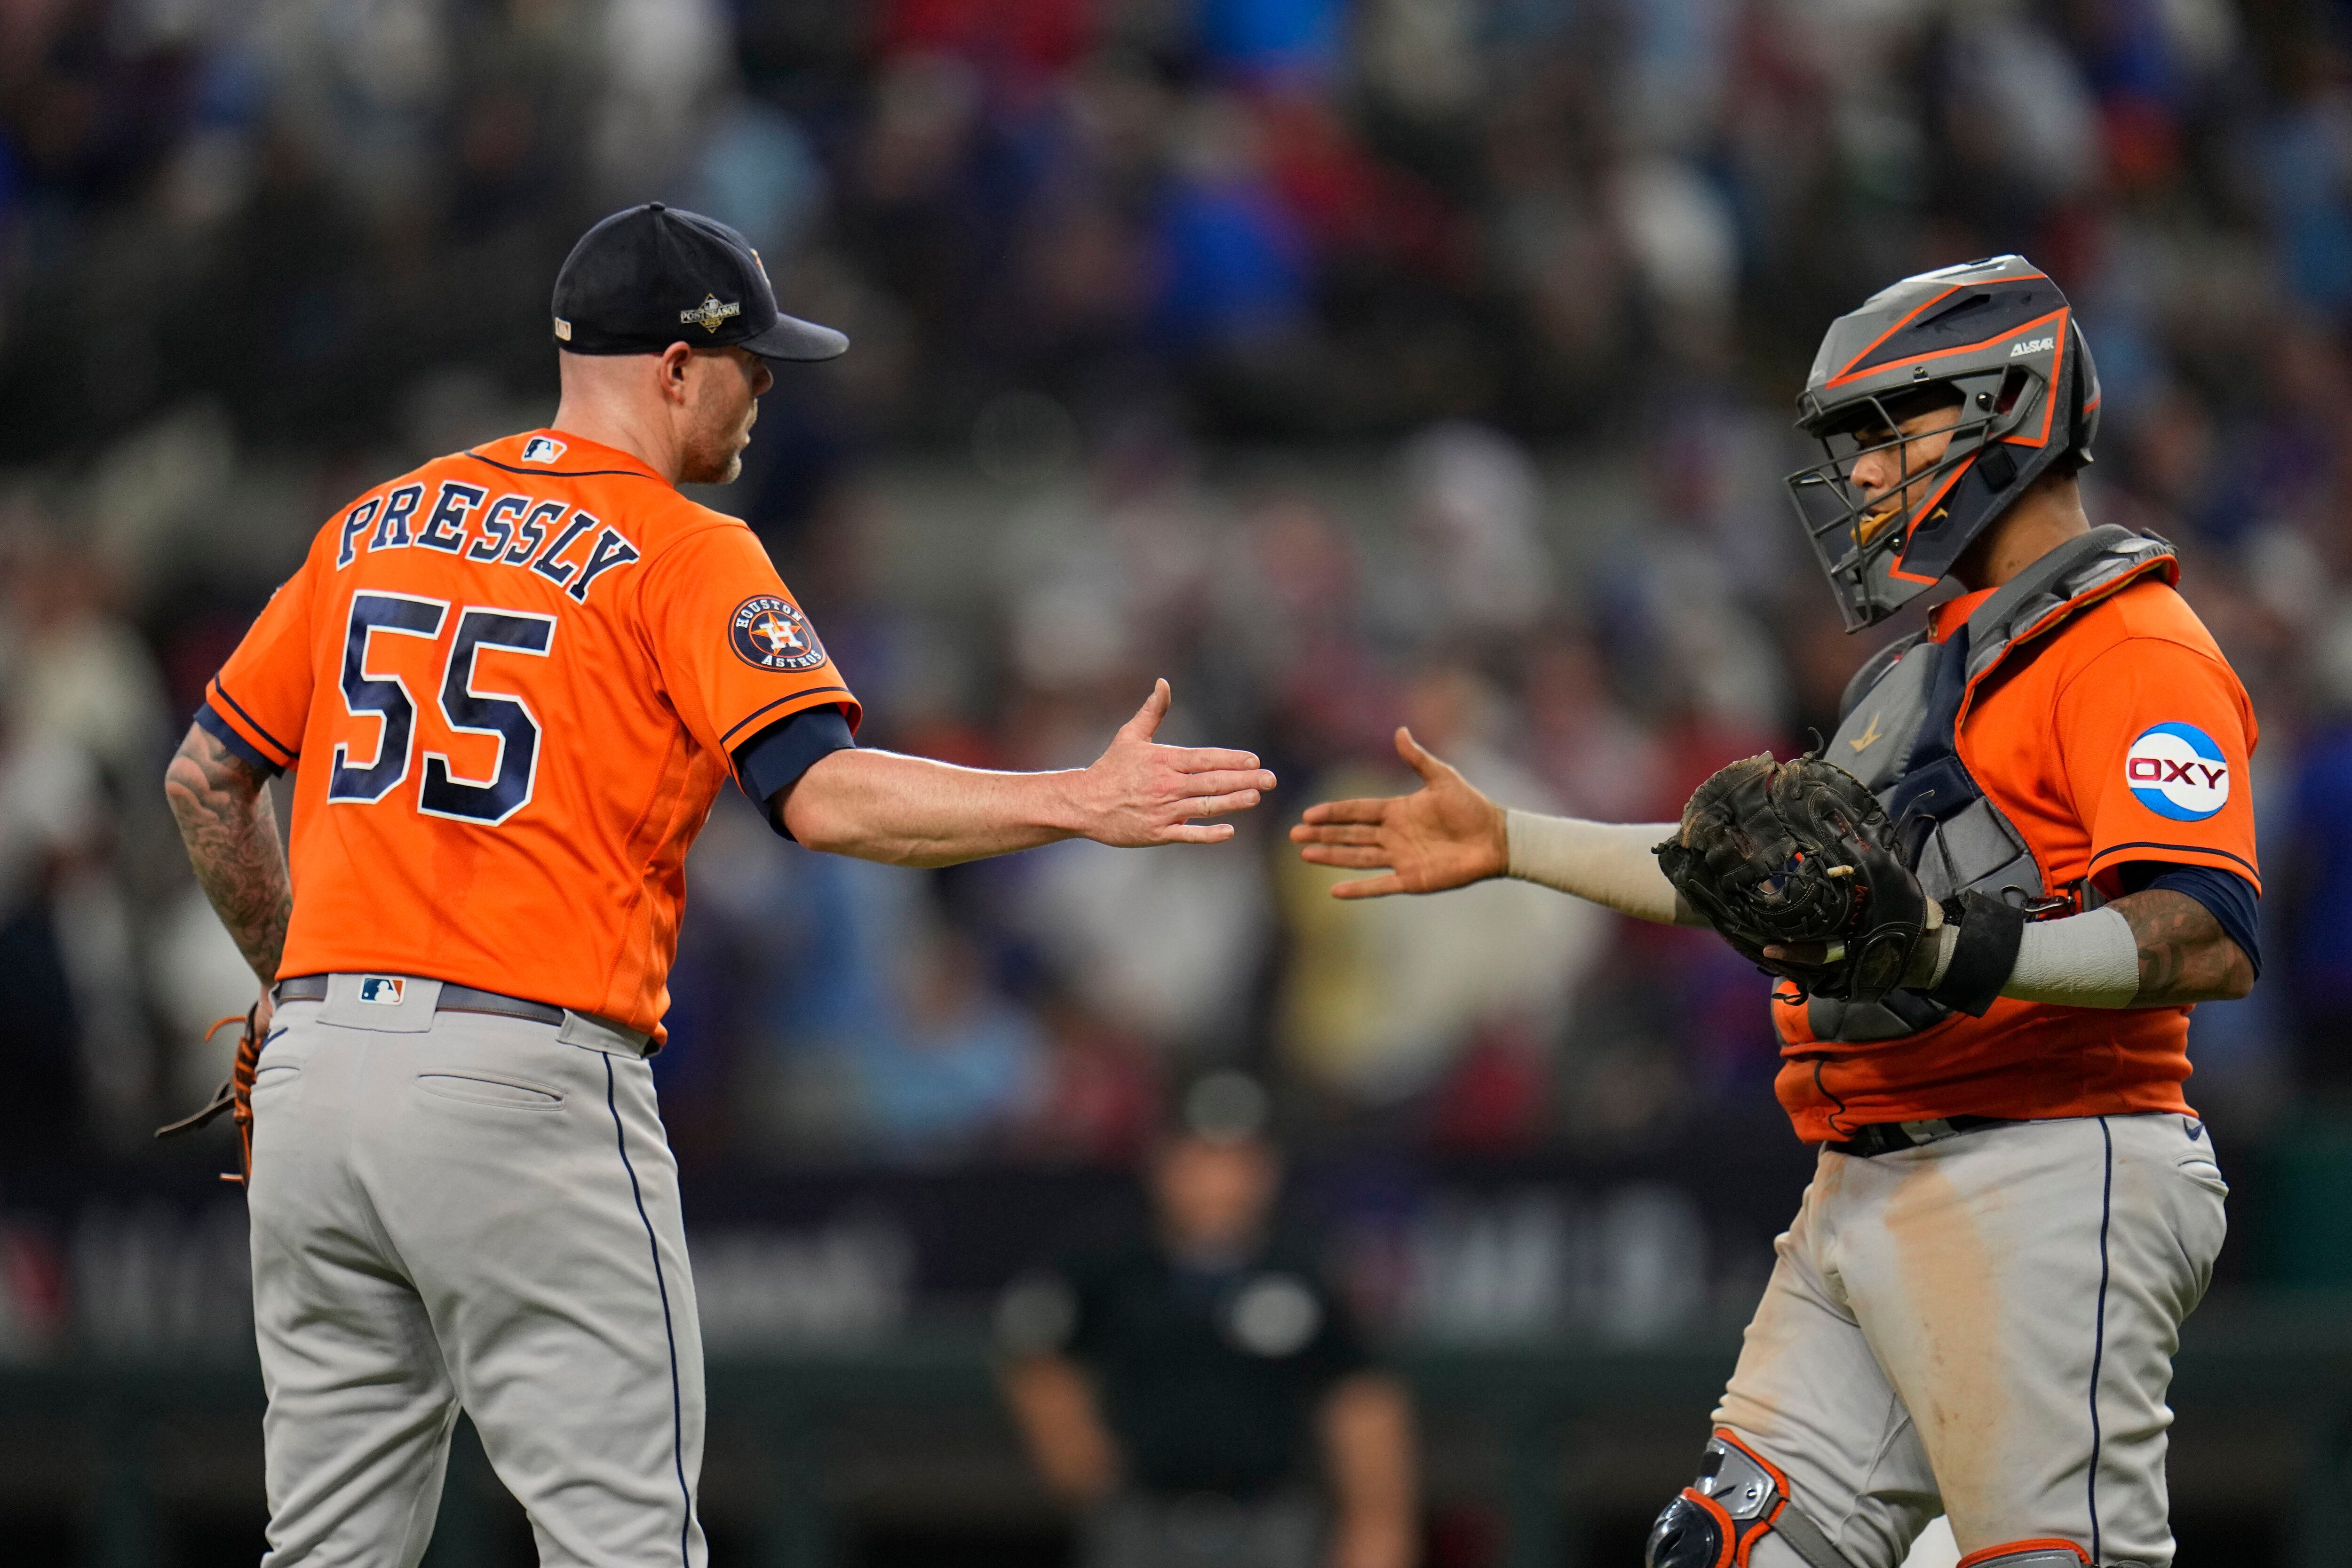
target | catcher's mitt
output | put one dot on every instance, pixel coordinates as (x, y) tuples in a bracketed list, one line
[(1798, 854), (235, 1096)]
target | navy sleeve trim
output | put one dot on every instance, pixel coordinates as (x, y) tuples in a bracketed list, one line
[(2230, 898), (2114, 849), (245, 750), (222, 692), (728, 740), (774, 759)]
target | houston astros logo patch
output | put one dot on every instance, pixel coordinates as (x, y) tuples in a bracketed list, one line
[(2177, 770), (770, 633)]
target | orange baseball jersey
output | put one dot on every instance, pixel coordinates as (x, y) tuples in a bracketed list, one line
[(515, 678), (2122, 737)]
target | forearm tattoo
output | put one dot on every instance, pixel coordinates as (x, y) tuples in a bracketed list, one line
[(230, 828), (2184, 954)]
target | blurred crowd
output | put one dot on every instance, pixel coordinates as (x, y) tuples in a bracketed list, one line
[(1351, 364)]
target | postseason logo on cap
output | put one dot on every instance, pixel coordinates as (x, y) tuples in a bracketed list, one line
[(710, 314), (2177, 770)]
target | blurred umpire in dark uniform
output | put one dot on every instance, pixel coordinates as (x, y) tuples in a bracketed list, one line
[(1191, 1387)]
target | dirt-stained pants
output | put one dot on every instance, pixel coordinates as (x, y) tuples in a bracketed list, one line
[(1984, 1327)]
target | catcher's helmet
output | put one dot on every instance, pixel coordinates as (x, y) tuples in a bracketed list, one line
[(1993, 341)]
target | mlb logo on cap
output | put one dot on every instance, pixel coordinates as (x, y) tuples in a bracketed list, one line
[(2177, 770), (383, 990)]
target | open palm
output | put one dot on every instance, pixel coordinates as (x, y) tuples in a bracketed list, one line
[(1444, 835), (1139, 793)]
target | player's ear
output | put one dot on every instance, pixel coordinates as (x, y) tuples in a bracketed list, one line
[(672, 371)]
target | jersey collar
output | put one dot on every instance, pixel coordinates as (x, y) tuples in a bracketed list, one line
[(564, 454)]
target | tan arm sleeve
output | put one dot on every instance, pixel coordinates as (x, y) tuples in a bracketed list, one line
[(1607, 862)]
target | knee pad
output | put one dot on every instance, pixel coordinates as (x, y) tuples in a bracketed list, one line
[(2046, 1553), (1740, 1497)]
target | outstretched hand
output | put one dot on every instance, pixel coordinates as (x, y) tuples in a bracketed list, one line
[(1139, 793), (1444, 835)]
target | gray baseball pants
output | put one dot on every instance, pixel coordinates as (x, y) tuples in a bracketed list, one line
[(459, 1210), (1983, 1327)]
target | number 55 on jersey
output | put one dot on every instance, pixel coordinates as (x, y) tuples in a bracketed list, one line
[(440, 632)]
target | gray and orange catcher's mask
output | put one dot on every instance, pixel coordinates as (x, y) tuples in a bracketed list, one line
[(1993, 341)]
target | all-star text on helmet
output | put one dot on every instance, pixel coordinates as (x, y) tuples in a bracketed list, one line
[(1994, 342)]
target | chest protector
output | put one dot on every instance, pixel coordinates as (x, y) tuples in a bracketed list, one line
[(1899, 734)]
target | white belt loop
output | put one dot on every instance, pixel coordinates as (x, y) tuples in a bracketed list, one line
[(603, 1034)]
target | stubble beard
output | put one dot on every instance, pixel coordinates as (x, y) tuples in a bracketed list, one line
[(717, 461)]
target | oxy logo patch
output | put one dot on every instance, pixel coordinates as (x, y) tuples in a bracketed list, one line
[(542, 450), (2178, 770)]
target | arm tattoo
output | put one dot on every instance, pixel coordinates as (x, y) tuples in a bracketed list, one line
[(2184, 954), (230, 828)]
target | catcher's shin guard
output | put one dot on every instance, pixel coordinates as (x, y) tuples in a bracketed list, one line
[(2044, 1553), (1739, 1499)]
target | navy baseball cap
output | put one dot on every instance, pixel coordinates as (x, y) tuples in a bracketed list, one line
[(645, 279)]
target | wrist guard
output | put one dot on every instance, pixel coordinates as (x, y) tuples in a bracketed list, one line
[(1983, 955)]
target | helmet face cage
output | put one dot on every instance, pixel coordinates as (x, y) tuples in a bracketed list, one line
[(1998, 339), (1859, 540)]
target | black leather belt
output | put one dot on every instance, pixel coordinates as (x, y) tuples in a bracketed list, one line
[(454, 999), (1886, 1137)]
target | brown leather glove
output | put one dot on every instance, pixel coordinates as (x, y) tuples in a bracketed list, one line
[(235, 1096), (1797, 855)]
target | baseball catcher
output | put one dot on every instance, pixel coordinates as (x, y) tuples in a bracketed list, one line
[(1988, 905)]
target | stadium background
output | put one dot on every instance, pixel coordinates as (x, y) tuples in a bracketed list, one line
[(1408, 360)]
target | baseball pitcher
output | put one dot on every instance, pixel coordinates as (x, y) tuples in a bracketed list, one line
[(2028, 851), (516, 679)]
